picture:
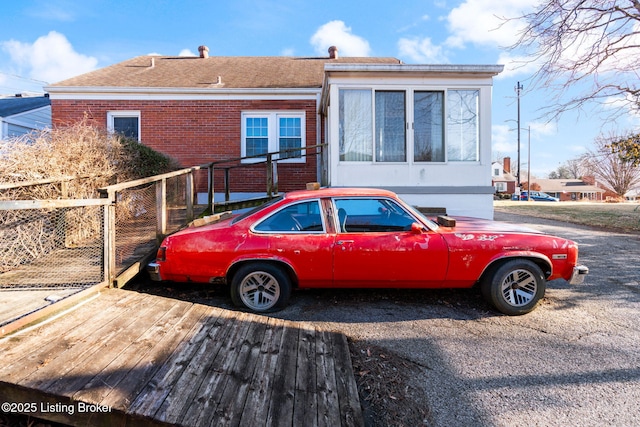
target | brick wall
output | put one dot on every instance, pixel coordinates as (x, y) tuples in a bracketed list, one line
[(197, 132)]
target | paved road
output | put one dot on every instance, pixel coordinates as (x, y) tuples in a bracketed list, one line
[(574, 361)]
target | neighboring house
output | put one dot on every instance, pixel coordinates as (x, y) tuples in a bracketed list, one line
[(633, 195), (571, 189), (21, 115), (502, 179), (423, 131)]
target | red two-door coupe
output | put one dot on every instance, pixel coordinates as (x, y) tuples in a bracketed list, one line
[(364, 238)]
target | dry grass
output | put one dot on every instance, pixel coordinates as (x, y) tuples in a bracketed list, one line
[(612, 216)]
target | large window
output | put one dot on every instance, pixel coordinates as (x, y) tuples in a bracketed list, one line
[(390, 123), (356, 125), (462, 126), (268, 132), (126, 123), (428, 128), (393, 126)]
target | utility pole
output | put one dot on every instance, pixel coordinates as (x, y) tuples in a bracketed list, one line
[(518, 89)]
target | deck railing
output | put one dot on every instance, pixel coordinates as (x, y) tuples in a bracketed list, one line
[(110, 238)]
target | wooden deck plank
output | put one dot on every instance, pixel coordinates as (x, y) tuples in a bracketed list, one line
[(147, 367), (328, 412), (72, 363), (69, 331), (232, 399), (176, 404), (155, 395), (305, 406), (349, 403), (281, 408), (205, 403), (258, 400), (108, 380), (155, 361)]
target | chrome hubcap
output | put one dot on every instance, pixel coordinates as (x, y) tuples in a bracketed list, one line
[(519, 288), (259, 291)]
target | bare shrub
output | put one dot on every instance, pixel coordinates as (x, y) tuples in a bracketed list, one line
[(77, 160)]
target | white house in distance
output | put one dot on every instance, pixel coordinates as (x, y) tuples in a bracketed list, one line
[(423, 131)]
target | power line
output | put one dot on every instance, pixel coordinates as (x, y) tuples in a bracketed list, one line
[(24, 78)]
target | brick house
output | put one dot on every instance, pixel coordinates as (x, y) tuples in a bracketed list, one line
[(386, 124), (501, 177)]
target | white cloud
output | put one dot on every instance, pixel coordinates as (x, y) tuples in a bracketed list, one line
[(481, 22), (542, 128), (503, 139), (187, 52), (421, 50), (50, 58), (336, 33)]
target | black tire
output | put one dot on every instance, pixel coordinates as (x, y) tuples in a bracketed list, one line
[(515, 287), (260, 287)]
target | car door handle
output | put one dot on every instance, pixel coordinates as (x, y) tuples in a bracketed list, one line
[(342, 242)]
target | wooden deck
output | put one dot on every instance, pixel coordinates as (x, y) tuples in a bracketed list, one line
[(147, 360)]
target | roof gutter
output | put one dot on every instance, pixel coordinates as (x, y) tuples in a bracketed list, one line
[(405, 70), (178, 93)]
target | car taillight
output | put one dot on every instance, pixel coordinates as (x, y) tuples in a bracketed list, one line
[(162, 254)]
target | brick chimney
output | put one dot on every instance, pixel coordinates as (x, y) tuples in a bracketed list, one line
[(506, 164), (204, 51), (333, 52)]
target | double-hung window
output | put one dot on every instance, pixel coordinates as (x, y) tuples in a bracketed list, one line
[(125, 123), (269, 132), (385, 126)]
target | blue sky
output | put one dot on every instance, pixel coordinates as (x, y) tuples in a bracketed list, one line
[(45, 41)]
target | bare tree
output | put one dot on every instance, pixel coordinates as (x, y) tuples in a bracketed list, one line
[(618, 173), (591, 43), (571, 169)]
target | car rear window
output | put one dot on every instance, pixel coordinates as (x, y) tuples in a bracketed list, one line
[(256, 209)]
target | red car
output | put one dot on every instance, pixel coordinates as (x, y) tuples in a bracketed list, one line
[(363, 238)]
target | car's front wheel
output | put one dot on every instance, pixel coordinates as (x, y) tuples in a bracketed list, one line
[(260, 287), (515, 287)]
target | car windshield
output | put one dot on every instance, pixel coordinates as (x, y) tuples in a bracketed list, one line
[(432, 225), (256, 209)]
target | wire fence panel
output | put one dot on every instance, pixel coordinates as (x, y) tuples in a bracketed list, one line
[(135, 225), (176, 203), (58, 247)]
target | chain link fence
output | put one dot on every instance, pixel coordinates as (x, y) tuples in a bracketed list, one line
[(54, 247)]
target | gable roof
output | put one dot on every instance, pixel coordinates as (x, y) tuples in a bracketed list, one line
[(16, 105), (231, 72)]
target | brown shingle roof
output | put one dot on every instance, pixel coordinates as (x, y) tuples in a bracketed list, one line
[(233, 72)]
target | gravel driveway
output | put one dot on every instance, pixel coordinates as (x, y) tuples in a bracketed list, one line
[(574, 361)]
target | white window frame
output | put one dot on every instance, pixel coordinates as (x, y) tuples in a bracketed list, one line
[(409, 91), (273, 138), (111, 115)]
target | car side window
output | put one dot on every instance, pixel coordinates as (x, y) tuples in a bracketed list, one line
[(371, 215), (301, 217)]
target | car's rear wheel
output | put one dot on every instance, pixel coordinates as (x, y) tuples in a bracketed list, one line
[(260, 287), (515, 287)]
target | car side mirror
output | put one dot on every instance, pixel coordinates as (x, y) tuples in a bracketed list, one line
[(417, 228)]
